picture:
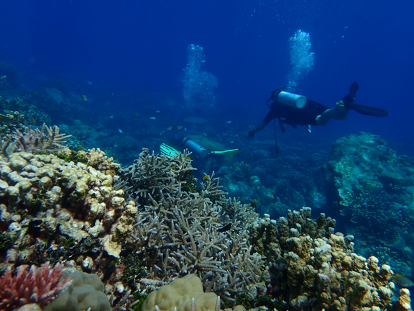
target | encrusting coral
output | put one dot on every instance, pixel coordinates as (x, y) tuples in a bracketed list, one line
[(39, 287)]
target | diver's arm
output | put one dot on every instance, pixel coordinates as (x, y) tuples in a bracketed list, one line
[(269, 117), (258, 128)]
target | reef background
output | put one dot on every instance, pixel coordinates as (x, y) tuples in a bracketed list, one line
[(129, 60)]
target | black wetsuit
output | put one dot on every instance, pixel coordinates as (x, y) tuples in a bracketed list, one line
[(295, 116)]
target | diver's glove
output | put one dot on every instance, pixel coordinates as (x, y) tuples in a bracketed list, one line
[(250, 135)]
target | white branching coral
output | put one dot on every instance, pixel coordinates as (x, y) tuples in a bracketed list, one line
[(45, 139), (181, 230)]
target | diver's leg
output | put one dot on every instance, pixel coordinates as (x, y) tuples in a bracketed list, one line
[(339, 112)]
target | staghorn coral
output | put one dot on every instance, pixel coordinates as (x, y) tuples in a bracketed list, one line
[(45, 139), (39, 287), (179, 232), (153, 174)]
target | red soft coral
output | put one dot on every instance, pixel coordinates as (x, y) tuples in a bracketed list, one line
[(41, 287)]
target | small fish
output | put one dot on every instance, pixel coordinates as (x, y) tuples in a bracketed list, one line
[(152, 118), (3, 77), (120, 131), (402, 280), (188, 158), (83, 96), (32, 120), (253, 205), (225, 228), (89, 82), (205, 134), (79, 148), (88, 128), (157, 111), (33, 93), (179, 127), (135, 114), (231, 142), (256, 181), (185, 129), (228, 122), (169, 128), (206, 177), (255, 200), (22, 94), (161, 133), (111, 117), (54, 106)]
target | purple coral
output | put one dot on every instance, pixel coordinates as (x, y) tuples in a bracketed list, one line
[(41, 287)]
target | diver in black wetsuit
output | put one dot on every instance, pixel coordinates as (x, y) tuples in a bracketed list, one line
[(313, 113)]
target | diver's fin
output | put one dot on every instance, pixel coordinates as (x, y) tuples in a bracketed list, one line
[(226, 152), (366, 110), (353, 89), (352, 92)]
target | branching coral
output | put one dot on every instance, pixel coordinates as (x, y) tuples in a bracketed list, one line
[(179, 232), (45, 139), (34, 287)]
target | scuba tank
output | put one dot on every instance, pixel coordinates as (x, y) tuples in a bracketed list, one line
[(194, 147), (291, 99)]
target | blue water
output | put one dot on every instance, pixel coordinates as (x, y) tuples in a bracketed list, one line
[(139, 48)]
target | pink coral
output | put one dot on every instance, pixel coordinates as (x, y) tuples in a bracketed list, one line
[(41, 287)]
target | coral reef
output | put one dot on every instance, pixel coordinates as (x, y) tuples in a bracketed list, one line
[(179, 232), (45, 139), (10, 122), (85, 293), (46, 200), (315, 269), (183, 294), (370, 185), (40, 287)]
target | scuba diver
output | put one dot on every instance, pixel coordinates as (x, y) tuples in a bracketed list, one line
[(294, 109)]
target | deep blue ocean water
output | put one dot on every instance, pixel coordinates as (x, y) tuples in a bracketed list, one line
[(140, 46)]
